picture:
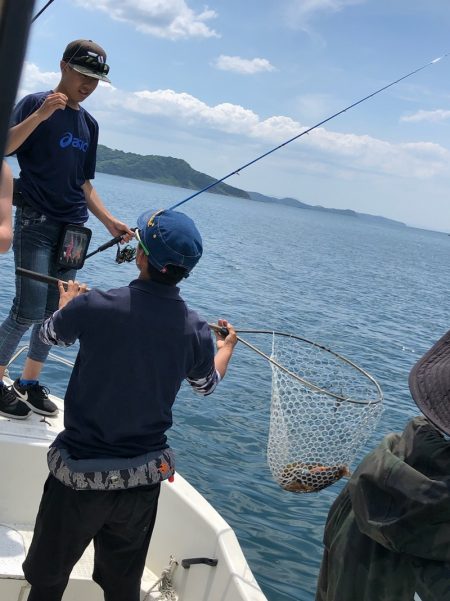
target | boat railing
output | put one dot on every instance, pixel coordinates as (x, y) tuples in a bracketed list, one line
[(53, 356)]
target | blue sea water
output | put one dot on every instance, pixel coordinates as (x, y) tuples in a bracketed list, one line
[(374, 293)]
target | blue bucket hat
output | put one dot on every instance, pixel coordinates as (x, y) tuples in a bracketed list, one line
[(169, 238)]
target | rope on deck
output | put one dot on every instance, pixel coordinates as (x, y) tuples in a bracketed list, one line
[(165, 584)]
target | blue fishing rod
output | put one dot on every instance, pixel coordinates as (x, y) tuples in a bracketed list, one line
[(308, 130)]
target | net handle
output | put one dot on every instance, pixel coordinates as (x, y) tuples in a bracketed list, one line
[(313, 387)]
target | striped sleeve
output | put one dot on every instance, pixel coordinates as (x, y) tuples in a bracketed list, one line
[(48, 335), (205, 385)]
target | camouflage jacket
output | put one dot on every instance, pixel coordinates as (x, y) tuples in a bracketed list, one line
[(387, 534)]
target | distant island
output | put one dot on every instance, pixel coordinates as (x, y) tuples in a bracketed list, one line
[(177, 172), (160, 170)]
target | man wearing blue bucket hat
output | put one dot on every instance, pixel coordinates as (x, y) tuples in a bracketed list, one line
[(106, 466)]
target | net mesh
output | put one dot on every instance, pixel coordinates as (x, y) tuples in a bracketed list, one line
[(314, 435)]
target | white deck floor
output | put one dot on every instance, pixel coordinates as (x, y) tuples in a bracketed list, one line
[(187, 527), (35, 427), (15, 540)]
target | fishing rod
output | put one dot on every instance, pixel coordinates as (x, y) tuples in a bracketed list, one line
[(41, 11), (308, 130), (106, 245), (41, 277)]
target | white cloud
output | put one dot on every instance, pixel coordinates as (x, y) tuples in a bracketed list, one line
[(229, 118), (172, 19), (430, 116), (33, 79), (189, 114), (314, 106), (242, 65), (301, 11)]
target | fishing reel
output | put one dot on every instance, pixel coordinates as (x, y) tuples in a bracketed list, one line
[(127, 254)]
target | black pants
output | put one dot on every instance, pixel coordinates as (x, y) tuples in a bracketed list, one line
[(120, 523)]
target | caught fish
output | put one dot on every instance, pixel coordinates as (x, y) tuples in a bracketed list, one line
[(312, 477)]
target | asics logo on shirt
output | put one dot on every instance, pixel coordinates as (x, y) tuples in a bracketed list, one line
[(68, 139)]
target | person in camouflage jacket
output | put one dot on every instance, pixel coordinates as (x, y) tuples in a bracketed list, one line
[(387, 536)]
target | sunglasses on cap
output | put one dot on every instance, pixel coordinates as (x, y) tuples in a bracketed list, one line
[(137, 234), (150, 223), (92, 63)]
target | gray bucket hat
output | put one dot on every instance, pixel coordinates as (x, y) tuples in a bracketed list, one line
[(429, 383)]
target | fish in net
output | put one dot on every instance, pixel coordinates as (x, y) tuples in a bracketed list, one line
[(323, 410)]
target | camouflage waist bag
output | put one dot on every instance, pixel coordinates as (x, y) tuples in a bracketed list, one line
[(83, 474)]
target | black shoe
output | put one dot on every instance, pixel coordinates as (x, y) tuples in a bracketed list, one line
[(11, 406), (35, 397)]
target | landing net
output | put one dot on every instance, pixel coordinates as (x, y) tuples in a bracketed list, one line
[(323, 410)]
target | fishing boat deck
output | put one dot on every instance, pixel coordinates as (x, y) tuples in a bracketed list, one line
[(182, 512), (35, 428), (15, 540)]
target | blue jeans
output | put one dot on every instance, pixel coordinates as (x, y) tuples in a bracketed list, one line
[(35, 247)]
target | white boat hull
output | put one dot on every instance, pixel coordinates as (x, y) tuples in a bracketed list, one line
[(187, 527)]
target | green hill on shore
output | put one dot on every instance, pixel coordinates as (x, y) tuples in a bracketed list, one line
[(160, 170), (178, 173)]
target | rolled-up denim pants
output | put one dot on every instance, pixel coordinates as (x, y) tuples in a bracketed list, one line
[(35, 247)]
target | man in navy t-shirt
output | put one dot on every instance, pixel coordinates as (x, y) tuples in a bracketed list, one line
[(55, 140), (107, 464)]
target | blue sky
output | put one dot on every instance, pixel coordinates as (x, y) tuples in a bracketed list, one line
[(220, 84)]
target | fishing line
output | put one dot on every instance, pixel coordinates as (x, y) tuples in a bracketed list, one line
[(309, 129), (41, 11)]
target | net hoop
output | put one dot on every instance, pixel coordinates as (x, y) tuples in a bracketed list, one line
[(314, 387), (323, 410)]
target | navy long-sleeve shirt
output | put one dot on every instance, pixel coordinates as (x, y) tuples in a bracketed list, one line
[(137, 344)]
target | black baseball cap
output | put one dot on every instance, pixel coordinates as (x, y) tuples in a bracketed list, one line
[(88, 58)]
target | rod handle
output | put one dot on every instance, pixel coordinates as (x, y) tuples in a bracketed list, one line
[(103, 247), (108, 244), (222, 330), (40, 277)]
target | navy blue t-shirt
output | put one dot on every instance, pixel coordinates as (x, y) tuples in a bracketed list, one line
[(56, 159), (137, 345)]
